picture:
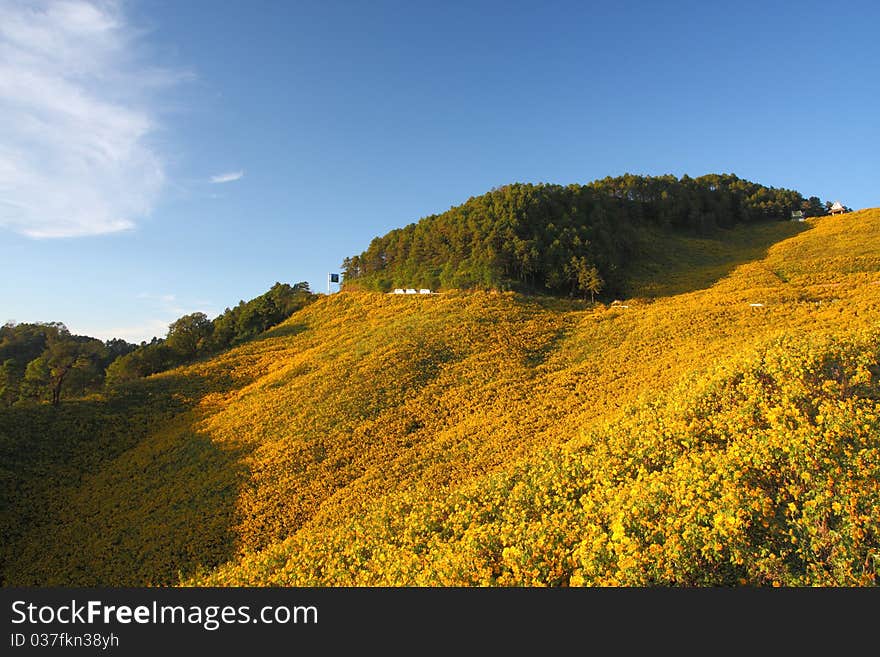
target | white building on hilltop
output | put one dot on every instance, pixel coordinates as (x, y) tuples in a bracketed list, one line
[(837, 208)]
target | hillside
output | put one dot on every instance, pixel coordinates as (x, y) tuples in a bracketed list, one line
[(564, 240), (682, 437)]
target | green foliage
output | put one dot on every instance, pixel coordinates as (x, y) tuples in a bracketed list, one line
[(188, 335), (586, 277), (147, 359), (36, 379), (41, 360), (536, 238), (249, 319), (10, 382), (194, 336)]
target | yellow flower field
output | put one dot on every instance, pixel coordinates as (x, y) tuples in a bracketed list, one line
[(485, 438)]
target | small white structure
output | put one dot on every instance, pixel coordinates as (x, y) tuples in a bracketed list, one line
[(837, 208), (797, 215), (410, 290)]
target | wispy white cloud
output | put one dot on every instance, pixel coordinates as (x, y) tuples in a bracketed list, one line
[(162, 309), (227, 177), (75, 155), (145, 331), (166, 304), (167, 298)]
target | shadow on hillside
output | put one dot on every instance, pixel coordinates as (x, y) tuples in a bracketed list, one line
[(284, 331), (670, 265), (557, 304), (128, 490)]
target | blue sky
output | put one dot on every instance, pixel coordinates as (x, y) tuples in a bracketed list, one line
[(160, 157)]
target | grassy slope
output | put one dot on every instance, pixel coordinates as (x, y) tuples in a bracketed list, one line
[(377, 439)]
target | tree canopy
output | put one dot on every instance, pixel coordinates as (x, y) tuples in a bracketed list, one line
[(193, 336), (41, 361)]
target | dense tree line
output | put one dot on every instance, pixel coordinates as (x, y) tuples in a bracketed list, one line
[(193, 336), (40, 361), (561, 239)]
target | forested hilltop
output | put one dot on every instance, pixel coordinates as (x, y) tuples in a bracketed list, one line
[(574, 239)]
